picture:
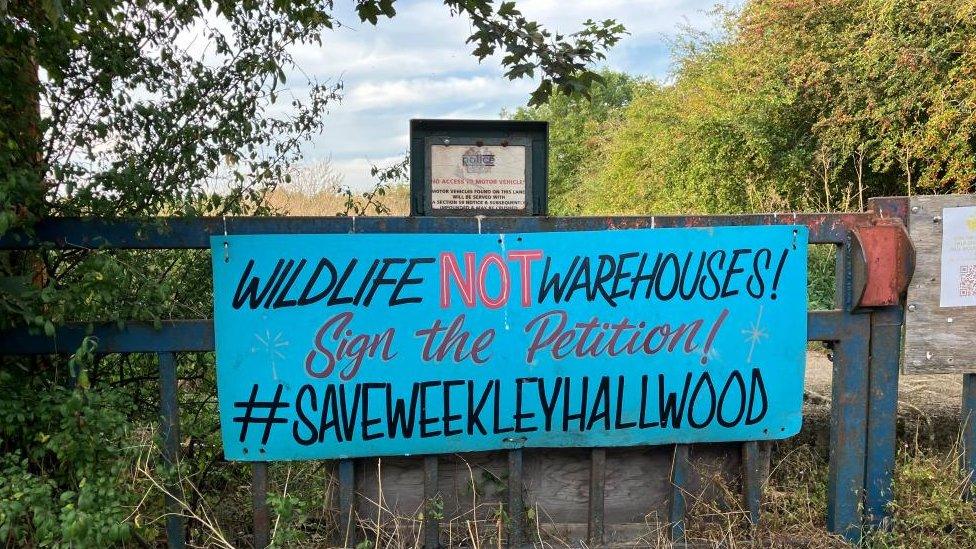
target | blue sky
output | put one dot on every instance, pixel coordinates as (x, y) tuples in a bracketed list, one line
[(417, 65)]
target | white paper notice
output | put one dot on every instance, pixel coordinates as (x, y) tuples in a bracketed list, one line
[(467, 177), (958, 257)]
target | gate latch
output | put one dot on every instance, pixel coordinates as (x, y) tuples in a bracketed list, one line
[(883, 262)]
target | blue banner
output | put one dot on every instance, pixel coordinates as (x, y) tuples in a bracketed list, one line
[(333, 346)]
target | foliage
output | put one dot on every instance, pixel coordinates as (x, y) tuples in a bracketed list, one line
[(794, 105), (68, 486), (145, 108), (821, 276), (888, 86), (528, 47), (372, 201), (575, 126), (928, 509)]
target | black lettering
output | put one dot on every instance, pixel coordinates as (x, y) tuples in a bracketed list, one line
[(474, 412), (300, 411), (549, 403), (756, 383), (704, 380), (281, 301), (405, 280), (756, 276), (448, 416), (557, 284), (305, 299), (364, 414), (250, 294), (643, 406), (520, 416), (335, 299), (330, 420), (668, 406), (396, 412), (497, 401), (735, 376), (424, 419), (601, 405), (618, 422), (581, 416), (733, 270), (349, 413)]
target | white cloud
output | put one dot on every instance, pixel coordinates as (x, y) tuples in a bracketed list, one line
[(396, 94)]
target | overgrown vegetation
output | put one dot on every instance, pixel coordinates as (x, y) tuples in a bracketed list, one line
[(145, 108), (795, 105), (928, 509), (790, 106)]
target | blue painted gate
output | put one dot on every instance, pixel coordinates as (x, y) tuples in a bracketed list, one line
[(866, 342)]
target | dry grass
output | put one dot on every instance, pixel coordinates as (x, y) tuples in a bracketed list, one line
[(928, 511), (331, 201), (317, 190)]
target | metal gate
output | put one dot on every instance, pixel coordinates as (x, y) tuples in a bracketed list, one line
[(873, 263)]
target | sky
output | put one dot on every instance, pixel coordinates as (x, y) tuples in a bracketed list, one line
[(417, 65)]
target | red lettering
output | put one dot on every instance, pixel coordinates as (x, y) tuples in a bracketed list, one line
[(553, 334), (441, 342), (502, 298), (465, 283), (525, 259), (355, 347)]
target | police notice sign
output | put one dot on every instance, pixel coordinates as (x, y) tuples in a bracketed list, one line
[(469, 177)]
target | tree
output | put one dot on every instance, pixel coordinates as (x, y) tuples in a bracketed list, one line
[(134, 110), (576, 124), (165, 107), (800, 105), (140, 108)]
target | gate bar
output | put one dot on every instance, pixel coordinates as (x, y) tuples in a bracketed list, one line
[(432, 523), (884, 367), (848, 433), (848, 408), (197, 336), (347, 502), (169, 428), (595, 525), (259, 499), (136, 337), (969, 431), (680, 477), (194, 233), (752, 480), (516, 505)]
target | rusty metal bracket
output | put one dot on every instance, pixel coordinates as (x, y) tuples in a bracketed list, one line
[(883, 259)]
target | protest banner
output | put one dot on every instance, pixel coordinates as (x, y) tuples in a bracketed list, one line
[(334, 346)]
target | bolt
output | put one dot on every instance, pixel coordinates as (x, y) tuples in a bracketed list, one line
[(950, 320), (914, 209), (937, 219), (447, 141), (911, 307)]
